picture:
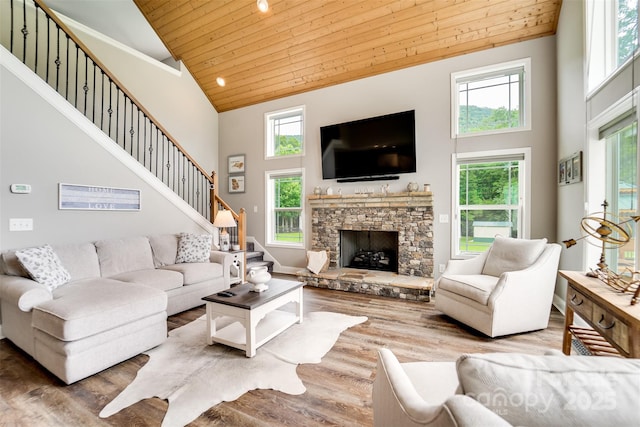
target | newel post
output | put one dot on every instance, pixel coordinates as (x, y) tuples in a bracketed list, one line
[(242, 229)]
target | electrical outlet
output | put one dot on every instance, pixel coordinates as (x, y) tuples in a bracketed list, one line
[(441, 267), (20, 224)]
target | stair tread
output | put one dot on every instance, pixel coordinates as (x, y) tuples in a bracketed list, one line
[(253, 254), (258, 263)]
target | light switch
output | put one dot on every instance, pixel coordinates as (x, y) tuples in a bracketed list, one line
[(255, 208), (444, 218), (20, 224)]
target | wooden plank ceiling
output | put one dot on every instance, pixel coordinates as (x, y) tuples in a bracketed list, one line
[(302, 45)]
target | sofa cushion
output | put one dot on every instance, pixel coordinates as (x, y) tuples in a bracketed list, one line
[(507, 254), (476, 287), (44, 266), (164, 248), (560, 390), (158, 279), (193, 248), (11, 265), (87, 307), (196, 272), (80, 260), (120, 256)]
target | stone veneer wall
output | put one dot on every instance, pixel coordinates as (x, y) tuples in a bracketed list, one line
[(410, 214)]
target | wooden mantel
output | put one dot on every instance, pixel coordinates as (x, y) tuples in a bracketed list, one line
[(373, 200)]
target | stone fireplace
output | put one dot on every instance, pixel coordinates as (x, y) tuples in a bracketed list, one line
[(407, 217)]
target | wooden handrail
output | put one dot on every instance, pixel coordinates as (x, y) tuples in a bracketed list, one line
[(114, 79)]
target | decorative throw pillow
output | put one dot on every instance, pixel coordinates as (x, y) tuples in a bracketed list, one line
[(317, 261), (193, 248), (508, 254), (44, 266)]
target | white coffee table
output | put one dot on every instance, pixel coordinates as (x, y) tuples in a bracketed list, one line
[(252, 327)]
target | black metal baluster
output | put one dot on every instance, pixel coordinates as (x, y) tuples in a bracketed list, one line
[(138, 136), (11, 34), (161, 172), (131, 131), (183, 178), (157, 148), (110, 110), (95, 90), (117, 123), (24, 32), (66, 89), (35, 65), (75, 91), (144, 141), (85, 88), (48, 50), (57, 61)]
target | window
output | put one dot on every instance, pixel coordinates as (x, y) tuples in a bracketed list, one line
[(612, 37), (621, 171), (285, 208), (490, 198), (285, 132), (491, 99)]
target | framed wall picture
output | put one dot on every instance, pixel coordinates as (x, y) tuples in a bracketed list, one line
[(236, 184), (237, 163), (97, 198), (570, 169)]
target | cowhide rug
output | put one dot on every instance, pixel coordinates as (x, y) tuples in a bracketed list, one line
[(194, 376)]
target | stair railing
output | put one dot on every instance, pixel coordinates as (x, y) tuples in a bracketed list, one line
[(46, 45)]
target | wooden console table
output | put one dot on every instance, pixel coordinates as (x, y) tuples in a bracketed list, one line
[(615, 322)]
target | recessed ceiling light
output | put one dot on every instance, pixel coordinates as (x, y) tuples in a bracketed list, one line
[(220, 81), (263, 5)]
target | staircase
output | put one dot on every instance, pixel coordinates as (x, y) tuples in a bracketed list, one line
[(256, 258), (41, 41)]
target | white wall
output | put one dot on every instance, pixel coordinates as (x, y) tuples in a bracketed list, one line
[(173, 97), (571, 130), (426, 89)]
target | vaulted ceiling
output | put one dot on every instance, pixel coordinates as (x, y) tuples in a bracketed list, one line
[(302, 45)]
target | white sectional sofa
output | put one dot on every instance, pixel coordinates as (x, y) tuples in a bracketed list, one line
[(111, 302)]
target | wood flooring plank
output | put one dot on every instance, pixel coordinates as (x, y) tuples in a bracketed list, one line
[(338, 389)]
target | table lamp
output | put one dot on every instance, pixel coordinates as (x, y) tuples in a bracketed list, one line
[(223, 220)]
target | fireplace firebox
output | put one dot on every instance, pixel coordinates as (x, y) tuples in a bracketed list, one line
[(369, 250)]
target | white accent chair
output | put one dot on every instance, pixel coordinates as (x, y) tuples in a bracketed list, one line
[(507, 389), (506, 290)]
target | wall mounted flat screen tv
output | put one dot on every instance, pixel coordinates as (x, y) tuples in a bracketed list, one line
[(369, 149)]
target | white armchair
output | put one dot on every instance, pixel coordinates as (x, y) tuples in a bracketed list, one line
[(507, 389), (506, 290)]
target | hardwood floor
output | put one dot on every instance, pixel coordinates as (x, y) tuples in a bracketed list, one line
[(338, 389)]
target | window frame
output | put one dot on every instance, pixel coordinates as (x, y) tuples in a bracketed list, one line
[(479, 74), (271, 210), (596, 170), (602, 43), (524, 220), (269, 143)]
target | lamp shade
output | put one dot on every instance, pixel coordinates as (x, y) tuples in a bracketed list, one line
[(224, 219)]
